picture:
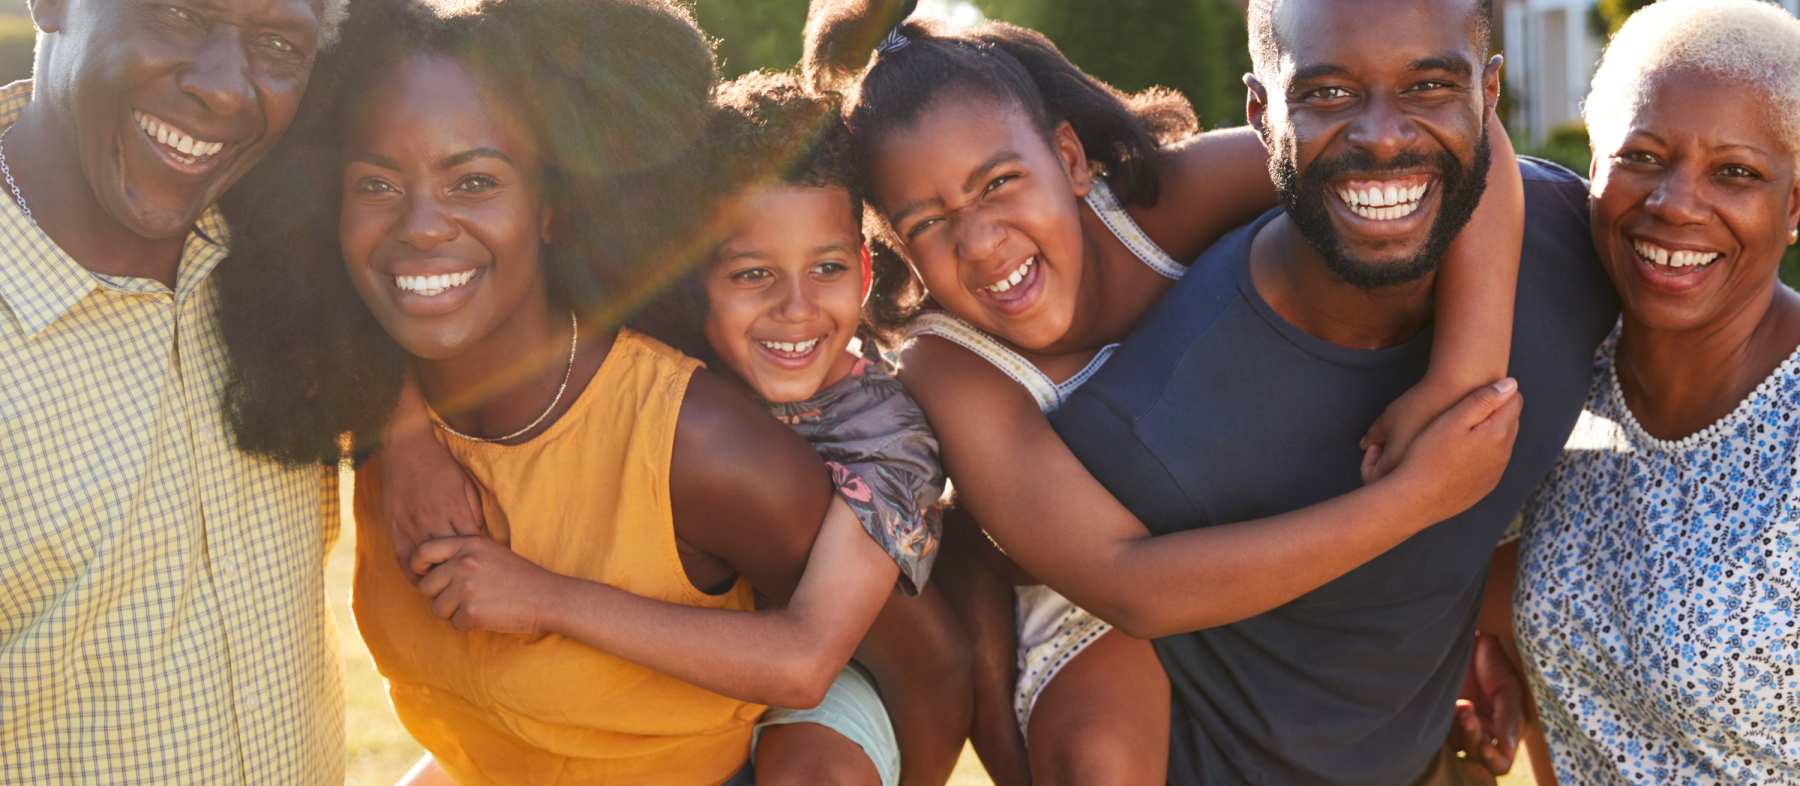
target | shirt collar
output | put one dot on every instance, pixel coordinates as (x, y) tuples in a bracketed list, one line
[(40, 282)]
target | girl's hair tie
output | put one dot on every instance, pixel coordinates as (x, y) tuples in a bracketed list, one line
[(894, 42)]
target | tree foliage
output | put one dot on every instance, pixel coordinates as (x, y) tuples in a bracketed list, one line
[(753, 34), (1607, 16), (1194, 46)]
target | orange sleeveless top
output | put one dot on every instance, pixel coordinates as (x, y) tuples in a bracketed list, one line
[(588, 498)]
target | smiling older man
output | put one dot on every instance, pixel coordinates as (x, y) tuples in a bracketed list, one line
[(162, 613)]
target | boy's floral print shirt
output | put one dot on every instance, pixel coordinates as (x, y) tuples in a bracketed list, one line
[(884, 460)]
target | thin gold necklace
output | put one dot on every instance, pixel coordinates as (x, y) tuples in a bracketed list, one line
[(574, 333)]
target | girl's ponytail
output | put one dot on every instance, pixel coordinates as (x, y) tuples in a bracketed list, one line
[(842, 34)]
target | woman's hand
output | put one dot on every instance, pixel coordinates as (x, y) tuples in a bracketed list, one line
[(478, 584), (1460, 457), (424, 493)]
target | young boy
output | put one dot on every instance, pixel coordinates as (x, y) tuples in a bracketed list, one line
[(783, 299)]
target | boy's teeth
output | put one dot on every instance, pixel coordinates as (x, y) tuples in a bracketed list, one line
[(1662, 256), (433, 285), (192, 150), (1010, 281)]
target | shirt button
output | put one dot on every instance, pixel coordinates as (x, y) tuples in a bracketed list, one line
[(228, 567), (251, 701)]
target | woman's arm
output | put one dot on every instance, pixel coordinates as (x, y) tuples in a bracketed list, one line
[(1040, 504), (786, 657), (1475, 287)]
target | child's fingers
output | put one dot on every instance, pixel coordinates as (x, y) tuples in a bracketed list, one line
[(1371, 458), (436, 580), (1504, 420), (446, 603), (434, 551), (1484, 402)]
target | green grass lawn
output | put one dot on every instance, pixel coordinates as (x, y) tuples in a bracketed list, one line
[(379, 751)]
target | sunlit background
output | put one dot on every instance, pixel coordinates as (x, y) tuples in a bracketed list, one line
[(1196, 46)]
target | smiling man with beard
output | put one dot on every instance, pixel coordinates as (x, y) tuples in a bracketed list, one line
[(1244, 392), (162, 611)]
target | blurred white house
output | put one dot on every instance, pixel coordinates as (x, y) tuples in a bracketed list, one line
[(1550, 59)]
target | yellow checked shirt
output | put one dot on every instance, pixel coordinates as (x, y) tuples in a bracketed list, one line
[(162, 599)]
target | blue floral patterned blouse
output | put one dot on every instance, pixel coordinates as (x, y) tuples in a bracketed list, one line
[(1657, 591)]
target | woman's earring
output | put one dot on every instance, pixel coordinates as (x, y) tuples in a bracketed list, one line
[(1794, 236)]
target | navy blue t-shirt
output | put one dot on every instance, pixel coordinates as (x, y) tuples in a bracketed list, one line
[(1217, 410)]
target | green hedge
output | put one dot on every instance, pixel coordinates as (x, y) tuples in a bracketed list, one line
[(1194, 46), (17, 38)]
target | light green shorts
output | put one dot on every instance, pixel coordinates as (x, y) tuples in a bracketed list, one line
[(853, 708)]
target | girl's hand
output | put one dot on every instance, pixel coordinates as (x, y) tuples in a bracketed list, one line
[(478, 584), (1460, 457), (1393, 433), (424, 493)]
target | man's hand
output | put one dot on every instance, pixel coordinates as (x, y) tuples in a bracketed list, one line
[(479, 584), (1489, 714), (424, 493)]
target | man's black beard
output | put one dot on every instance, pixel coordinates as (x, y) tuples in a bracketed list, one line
[(1303, 194)]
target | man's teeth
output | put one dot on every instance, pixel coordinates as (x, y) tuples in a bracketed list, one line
[(193, 151), (1017, 275), (1667, 258), (792, 347), (433, 285), (1383, 204)]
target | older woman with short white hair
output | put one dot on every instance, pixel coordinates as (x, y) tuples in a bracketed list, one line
[(1658, 601)]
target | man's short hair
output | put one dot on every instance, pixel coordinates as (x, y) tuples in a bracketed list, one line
[(1756, 45), (1266, 45)]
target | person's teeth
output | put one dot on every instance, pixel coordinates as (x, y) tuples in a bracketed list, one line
[(792, 347), (192, 150), (433, 285), (1010, 281)]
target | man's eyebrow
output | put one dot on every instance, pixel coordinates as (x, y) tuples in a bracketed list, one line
[(1311, 72), (466, 156), (839, 246), (995, 160), (377, 160), (1456, 64)]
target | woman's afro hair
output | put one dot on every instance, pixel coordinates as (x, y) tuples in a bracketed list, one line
[(617, 92)]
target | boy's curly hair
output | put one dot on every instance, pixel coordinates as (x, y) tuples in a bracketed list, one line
[(1121, 133), (616, 92), (770, 126)]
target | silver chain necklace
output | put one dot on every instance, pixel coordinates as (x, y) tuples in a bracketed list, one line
[(574, 333), (17, 197)]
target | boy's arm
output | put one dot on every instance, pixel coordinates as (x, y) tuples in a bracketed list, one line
[(746, 490), (425, 493), (1475, 288), (785, 657)]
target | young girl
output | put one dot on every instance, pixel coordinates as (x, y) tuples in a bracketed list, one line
[(605, 632), (1044, 212)]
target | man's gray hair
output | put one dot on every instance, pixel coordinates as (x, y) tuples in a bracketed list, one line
[(331, 18), (1751, 44)]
